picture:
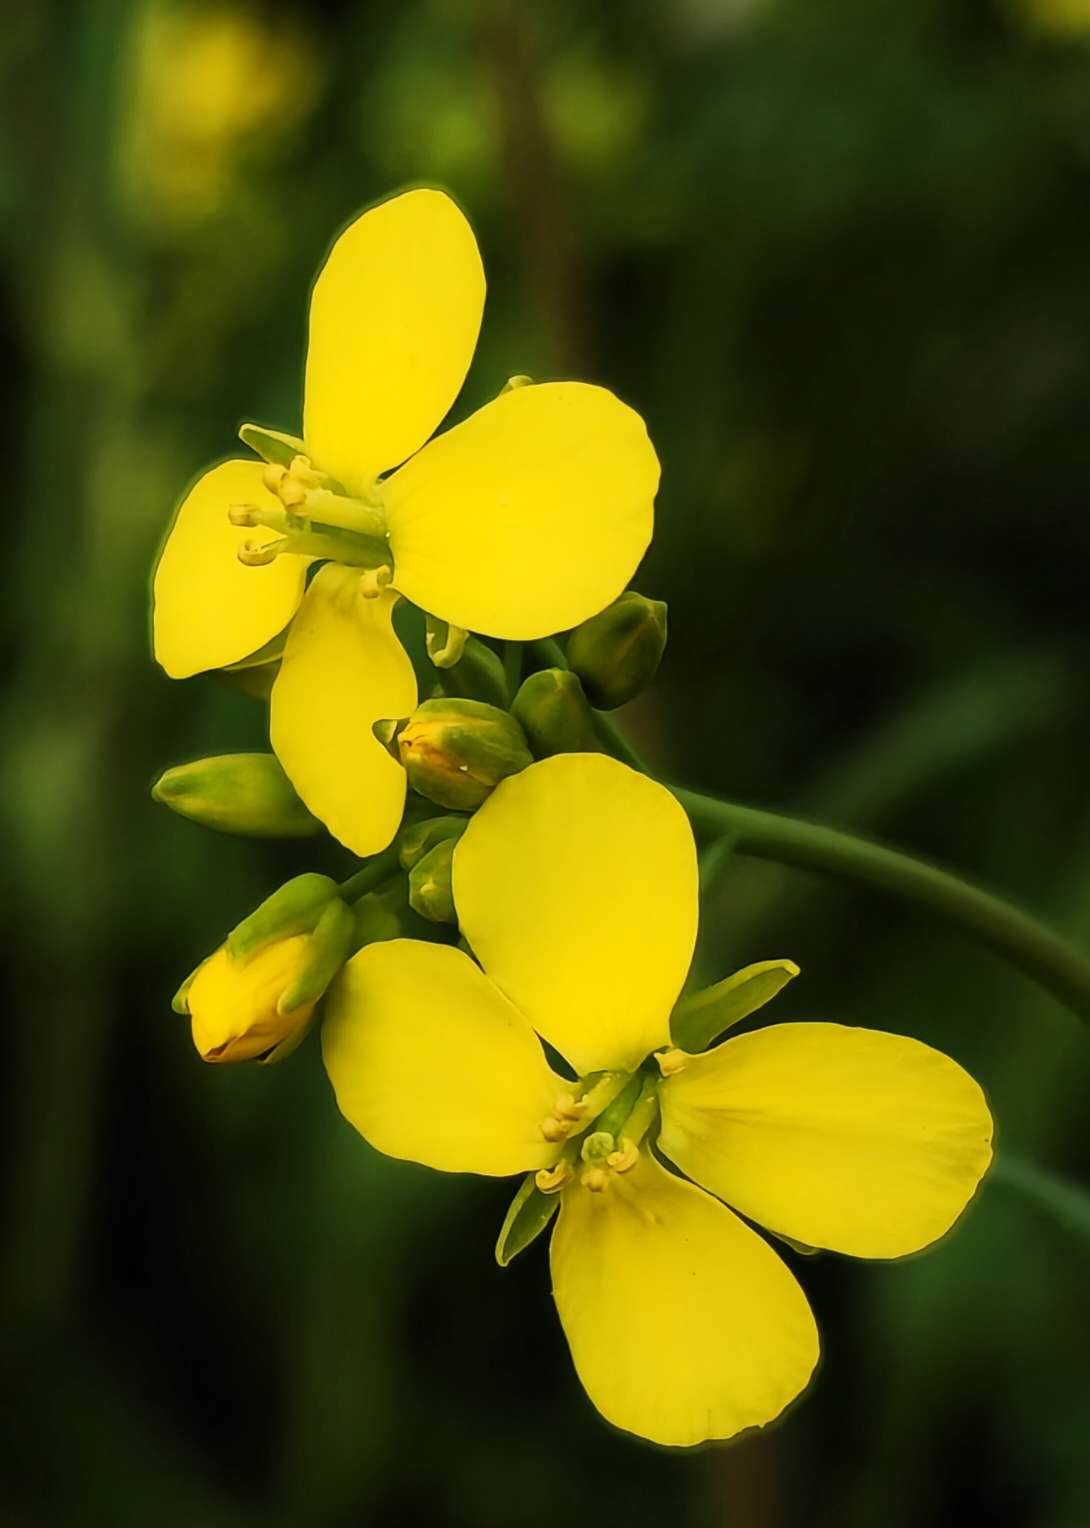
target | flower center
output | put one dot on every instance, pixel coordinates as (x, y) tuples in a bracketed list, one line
[(316, 519), (602, 1119)]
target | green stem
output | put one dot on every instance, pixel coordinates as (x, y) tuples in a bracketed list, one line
[(1028, 944), (368, 876)]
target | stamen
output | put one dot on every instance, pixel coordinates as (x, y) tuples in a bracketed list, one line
[(596, 1179), (375, 580), (625, 1158), (671, 1061), (550, 1180), (242, 514), (253, 556), (272, 476)]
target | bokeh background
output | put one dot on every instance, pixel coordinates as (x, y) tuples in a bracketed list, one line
[(838, 257)]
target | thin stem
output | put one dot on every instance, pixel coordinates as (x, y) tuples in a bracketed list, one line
[(1028, 944), (368, 876)]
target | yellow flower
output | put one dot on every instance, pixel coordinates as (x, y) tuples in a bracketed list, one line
[(234, 1004), (525, 519), (576, 888)]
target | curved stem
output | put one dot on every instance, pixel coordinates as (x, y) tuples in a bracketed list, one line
[(1025, 942), (376, 870)]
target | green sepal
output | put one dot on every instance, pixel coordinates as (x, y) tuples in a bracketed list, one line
[(294, 909), (180, 1001), (555, 714), (422, 837), (247, 794), (430, 892), (702, 1017), (328, 947), (478, 675), (271, 445), (444, 643), (529, 1214), (617, 652)]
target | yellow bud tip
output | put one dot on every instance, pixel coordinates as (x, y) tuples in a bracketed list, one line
[(623, 1160), (374, 581), (253, 556), (242, 514), (596, 1179), (550, 1180), (671, 1061), (272, 475)]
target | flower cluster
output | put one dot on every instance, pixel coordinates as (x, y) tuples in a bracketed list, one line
[(557, 1040)]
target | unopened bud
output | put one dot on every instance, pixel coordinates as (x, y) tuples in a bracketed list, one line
[(617, 653), (255, 1000), (430, 892), (554, 713), (422, 837), (244, 793), (455, 752), (294, 909)]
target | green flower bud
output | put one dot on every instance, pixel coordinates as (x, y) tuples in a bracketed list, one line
[(243, 793), (455, 752), (430, 892), (617, 653), (417, 840), (555, 713)]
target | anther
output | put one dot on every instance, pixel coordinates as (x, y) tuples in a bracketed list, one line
[(625, 1158), (242, 514), (596, 1179), (272, 475), (253, 556), (671, 1061), (374, 581), (550, 1180)]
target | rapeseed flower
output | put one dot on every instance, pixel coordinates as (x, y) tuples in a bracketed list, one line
[(523, 520), (576, 888)]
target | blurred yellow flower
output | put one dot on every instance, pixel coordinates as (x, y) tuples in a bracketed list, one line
[(1064, 18), (576, 887), (208, 80), (523, 520)]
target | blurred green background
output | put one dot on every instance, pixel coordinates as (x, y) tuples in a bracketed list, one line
[(838, 256)]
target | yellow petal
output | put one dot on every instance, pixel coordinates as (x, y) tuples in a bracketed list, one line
[(394, 317), (682, 1323), (210, 610), (343, 669), (530, 516), (863, 1142), (576, 886), (432, 1064)]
